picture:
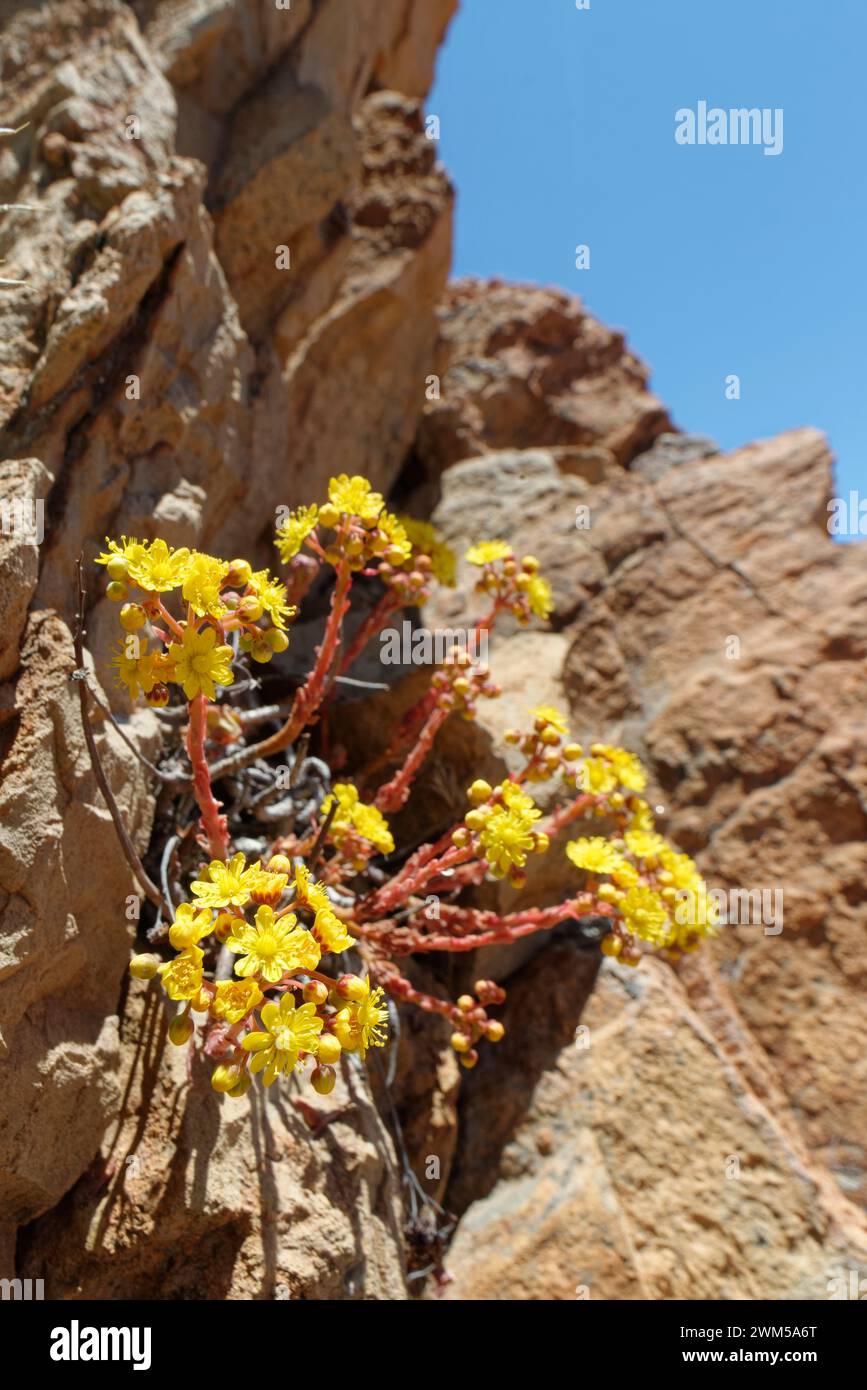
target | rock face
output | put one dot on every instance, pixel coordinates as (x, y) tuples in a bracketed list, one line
[(234, 285), (710, 623), (241, 233)]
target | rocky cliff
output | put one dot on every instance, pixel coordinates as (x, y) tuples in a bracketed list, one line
[(234, 252)]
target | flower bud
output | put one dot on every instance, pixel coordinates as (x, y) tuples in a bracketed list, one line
[(322, 1079), (143, 967), (461, 836), (460, 1042), (116, 591), (242, 1087), (479, 791), (132, 617), (279, 864), (469, 1059), (352, 987), (315, 992), (117, 568), (180, 1029), (158, 697), (225, 1077), (328, 1050), (611, 945), (240, 574), (250, 608), (572, 752), (466, 1002), (276, 639), (494, 1031)]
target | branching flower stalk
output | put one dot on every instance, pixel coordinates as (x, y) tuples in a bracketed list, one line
[(329, 883)]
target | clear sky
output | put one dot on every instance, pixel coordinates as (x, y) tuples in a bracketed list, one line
[(558, 125)]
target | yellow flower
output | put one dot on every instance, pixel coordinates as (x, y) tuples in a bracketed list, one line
[(272, 596), (552, 717), (642, 816), (395, 535), (683, 870), (289, 1033), (234, 999), (355, 497), (625, 875), (360, 1024), (294, 531), (182, 977), (192, 923), (202, 580), (597, 776), (352, 814), (128, 549), (519, 800), (273, 947), (137, 673), (486, 552), (630, 773), (595, 854), (507, 838), (330, 932), (200, 665), (645, 915), (228, 885), (371, 825), (539, 596), (311, 894), (426, 541), (644, 844), (156, 567)]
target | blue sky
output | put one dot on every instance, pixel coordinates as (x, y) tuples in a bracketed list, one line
[(557, 126)]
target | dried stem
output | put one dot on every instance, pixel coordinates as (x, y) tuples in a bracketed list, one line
[(132, 857)]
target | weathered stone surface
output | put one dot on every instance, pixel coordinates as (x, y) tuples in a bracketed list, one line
[(639, 1165), (65, 924), (716, 629), (197, 1196), (155, 380), (22, 487), (524, 368)]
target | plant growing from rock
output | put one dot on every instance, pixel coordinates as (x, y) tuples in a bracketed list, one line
[(254, 936)]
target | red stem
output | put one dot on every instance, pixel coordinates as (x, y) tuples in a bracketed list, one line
[(214, 824)]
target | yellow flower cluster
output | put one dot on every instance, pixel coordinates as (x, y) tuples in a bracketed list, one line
[(657, 895), (407, 553), (267, 925), (221, 597), (274, 950), (356, 828), (513, 585), (502, 825)]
